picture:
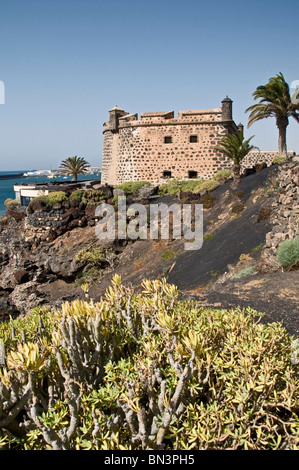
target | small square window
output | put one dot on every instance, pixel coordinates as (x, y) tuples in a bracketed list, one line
[(166, 174), (192, 174), (193, 138), (167, 139)]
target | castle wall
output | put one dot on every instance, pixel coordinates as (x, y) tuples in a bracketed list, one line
[(136, 149)]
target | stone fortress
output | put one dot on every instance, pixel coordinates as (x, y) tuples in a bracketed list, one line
[(159, 146)]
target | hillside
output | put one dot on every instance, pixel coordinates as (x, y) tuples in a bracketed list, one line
[(39, 250)]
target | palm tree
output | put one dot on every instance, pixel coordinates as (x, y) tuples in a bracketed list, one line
[(275, 101), (236, 148), (74, 166)]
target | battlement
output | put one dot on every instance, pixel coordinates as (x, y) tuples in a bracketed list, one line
[(120, 118)]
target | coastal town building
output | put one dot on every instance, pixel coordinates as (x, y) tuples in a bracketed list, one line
[(24, 193), (159, 145)]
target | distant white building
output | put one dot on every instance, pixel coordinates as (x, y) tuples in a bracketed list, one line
[(24, 193)]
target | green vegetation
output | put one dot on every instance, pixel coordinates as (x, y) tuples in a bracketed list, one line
[(48, 200), (257, 248), (147, 371), (239, 194), (11, 203), (132, 187), (209, 236), (222, 175), (244, 272), (279, 160), (288, 252), (76, 195), (173, 186), (92, 197), (209, 185)]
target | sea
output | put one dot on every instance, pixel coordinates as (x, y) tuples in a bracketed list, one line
[(9, 178)]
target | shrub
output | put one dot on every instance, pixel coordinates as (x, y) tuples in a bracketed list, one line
[(11, 203), (244, 272), (237, 208), (91, 256), (221, 175), (207, 201), (169, 255), (147, 371), (278, 160), (56, 196), (93, 197), (240, 194), (209, 185), (288, 252), (187, 186), (76, 195), (4, 220), (132, 187), (171, 187)]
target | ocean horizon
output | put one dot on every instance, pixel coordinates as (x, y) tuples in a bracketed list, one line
[(7, 184)]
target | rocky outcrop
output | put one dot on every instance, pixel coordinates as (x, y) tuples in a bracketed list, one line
[(39, 248), (285, 214)]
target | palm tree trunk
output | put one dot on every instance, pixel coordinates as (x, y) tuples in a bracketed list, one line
[(236, 171), (75, 177), (282, 123)]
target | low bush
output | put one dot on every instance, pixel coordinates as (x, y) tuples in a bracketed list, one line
[(171, 187), (288, 252), (132, 187), (209, 185), (147, 371), (91, 256), (244, 272), (93, 197), (237, 208), (76, 195), (239, 194), (207, 201), (278, 160), (11, 203), (222, 175), (38, 203)]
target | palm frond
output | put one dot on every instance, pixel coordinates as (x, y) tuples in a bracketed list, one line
[(234, 146)]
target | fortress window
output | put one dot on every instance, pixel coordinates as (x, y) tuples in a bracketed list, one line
[(167, 139), (193, 138), (192, 174), (166, 174)]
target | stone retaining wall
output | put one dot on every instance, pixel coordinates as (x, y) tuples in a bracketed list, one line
[(285, 215), (262, 156)]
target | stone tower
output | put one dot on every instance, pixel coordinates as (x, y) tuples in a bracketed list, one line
[(159, 145)]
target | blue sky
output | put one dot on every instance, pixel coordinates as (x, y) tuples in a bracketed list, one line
[(66, 63)]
